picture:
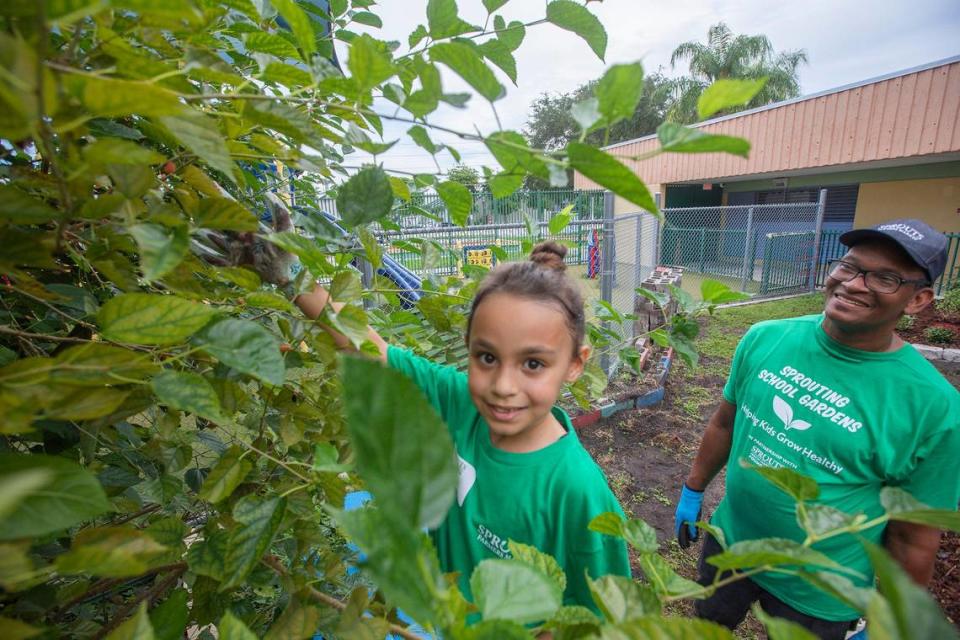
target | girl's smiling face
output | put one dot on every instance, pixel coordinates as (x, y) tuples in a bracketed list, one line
[(521, 354)]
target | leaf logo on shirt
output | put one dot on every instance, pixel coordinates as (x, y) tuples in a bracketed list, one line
[(466, 477), (785, 412)]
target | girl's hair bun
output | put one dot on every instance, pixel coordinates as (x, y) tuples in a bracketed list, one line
[(549, 255)]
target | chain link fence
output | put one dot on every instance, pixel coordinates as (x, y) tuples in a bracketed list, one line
[(765, 250)]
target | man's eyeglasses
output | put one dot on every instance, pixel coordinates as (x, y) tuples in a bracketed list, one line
[(876, 281)]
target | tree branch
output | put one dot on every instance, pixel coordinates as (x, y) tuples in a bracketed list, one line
[(325, 599)]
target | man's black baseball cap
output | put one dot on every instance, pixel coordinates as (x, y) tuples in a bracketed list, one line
[(926, 245)]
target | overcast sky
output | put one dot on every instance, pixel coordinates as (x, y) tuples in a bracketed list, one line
[(845, 40)]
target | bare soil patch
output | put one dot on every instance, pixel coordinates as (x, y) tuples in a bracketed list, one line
[(931, 317)]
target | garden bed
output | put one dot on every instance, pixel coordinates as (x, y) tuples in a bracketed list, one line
[(916, 331)]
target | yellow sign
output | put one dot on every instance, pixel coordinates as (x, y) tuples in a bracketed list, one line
[(479, 256)]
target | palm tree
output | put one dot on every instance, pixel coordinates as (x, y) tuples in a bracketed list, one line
[(726, 55)]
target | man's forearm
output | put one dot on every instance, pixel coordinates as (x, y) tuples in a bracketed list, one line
[(714, 447), (914, 547)]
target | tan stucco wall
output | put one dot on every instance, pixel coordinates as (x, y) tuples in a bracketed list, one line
[(935, 201)]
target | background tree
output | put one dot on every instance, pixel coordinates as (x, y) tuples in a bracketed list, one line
[(729, 56), (551, 124), (465, 175)]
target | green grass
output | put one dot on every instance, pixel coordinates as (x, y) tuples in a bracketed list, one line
[(726, 327)]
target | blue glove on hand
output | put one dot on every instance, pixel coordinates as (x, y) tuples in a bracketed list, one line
[(688, 511)]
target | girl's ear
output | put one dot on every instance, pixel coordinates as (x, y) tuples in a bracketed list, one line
[(578, 363)]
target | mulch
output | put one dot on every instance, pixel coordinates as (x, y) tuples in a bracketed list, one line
[(931, 317)]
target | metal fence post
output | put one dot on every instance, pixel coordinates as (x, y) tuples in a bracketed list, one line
[(637, 249), (366, 278), (658, 229), (606, 269), (747, 252), (821, 208)]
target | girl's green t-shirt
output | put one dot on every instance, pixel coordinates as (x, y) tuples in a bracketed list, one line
[(545, 498), (855, 421)]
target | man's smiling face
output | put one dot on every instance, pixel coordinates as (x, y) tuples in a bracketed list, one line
[(853, 308)]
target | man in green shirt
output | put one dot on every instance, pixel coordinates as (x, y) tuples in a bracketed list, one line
[(839, 397)]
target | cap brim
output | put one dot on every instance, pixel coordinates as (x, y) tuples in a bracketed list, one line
[(851, 238)]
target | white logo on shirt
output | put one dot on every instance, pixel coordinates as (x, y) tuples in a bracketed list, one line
[(467, 477), (785, 412)]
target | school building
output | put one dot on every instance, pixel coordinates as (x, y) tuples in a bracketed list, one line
[(883, 148)]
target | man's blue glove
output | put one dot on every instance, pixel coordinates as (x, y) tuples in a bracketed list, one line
[(688, 511)]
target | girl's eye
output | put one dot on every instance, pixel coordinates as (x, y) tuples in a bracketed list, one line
[(533, 365), (487, 358)]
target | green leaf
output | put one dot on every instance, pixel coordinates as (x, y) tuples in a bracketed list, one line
[(17, 486), (366, 197), (726, 93), (773, 552), (304, 248), (574, 17), (19, 208), (116, 151), (796, 485), (224, 213), (206, 557), (147, 318), (443, 20), (136, 628), (839, 587), (225, 476), (388, 419), (299, 619), (369, 62), (110, 552), (817, 519), (13, 629), (86, 404), (677, 138), (270, 43), (500, 55), (510, 590), (780, 629), (326, 458), (493, 5), (638, 534), (97, 364), (161, 249), (542, 562), (258, 520), (496, 630), (620, 598), (663, 628), (458, 199), (269, 300), (609, 172), (368, 18), (466, 62), (170, 619), (511, 34), (187, 391), (900, 505), (619, 91), (200, 134), (232, 628), (300, 25), (586, 113), (658, 298), (914, 610), (69, 496), (246, 346), (716, 292), (401, 560), (514, 155), (505, 184), (560, 221), (664, 579), (113, 98)]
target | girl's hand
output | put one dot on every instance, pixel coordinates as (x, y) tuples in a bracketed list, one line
[(254, 251)]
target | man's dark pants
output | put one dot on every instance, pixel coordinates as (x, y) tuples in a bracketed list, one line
[(729, 604)]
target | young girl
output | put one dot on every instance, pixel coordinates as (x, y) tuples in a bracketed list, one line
[(524, 475)]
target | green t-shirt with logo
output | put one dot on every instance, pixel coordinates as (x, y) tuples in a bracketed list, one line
[(544, 498), (855, 421)]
